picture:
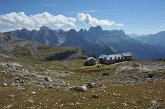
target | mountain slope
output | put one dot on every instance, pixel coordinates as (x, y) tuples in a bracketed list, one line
[(74, 38), (153, 39), (44, 35), (16, 47), (119, 42), (13, 47), (139, 50)]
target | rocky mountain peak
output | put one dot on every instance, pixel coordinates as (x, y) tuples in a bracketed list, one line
[(117, 33), (44, 28), (72, 32), (24, 30), (97, 28)]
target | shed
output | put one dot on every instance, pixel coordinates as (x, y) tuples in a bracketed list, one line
[(90, 61)]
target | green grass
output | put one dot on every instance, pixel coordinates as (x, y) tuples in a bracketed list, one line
[(138, 96), (48, 50), (40, 52)]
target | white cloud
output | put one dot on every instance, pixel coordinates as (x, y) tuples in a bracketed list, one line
[(119, 24), (88, 19), (15, 20)]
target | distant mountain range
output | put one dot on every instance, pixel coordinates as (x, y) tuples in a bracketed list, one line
[(153, 39), (95, 41)]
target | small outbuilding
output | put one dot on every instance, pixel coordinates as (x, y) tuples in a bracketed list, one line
[(90, 61)]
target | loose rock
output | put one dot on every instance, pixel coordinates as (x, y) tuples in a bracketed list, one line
[(47, 79), (80, 88), (95, 96)]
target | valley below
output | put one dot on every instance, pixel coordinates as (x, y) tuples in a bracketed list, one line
[(68, 84)]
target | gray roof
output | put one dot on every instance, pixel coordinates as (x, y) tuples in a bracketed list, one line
[(108, 57), (114, 56), (127, 54), (102, 56), (91, 58)]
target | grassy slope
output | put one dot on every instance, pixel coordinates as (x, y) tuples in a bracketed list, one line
[(31, 50), (138, 96), (133, 96), (26, 53)]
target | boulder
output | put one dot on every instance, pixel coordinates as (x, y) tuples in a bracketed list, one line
[(155, 105), (90, 85), (95, 96), (47, 79), (80, 88), (105, 74), (114, 94), (150, 75)]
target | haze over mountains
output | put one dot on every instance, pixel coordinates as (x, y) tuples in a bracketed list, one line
[(94, 41), (153, 39)]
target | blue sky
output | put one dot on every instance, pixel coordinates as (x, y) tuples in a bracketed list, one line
[(137, 16)]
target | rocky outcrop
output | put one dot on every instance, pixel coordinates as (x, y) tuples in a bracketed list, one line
[(60, 56)]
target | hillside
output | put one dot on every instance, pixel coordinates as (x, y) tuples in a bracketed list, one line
[(52, 85), (13, 47)]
